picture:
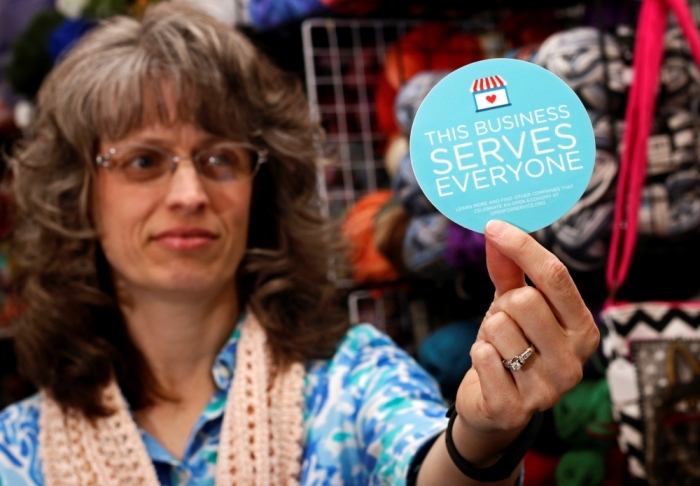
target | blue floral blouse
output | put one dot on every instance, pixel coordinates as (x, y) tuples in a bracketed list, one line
[(368, 411)]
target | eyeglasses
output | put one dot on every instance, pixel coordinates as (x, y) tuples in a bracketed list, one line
[(222, 162)]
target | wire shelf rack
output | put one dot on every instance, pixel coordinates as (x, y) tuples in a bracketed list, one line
[(344, 59)]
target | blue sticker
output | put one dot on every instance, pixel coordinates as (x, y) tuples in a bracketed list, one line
[(502, 139)]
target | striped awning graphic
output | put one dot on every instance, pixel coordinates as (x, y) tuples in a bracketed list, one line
[(490, 82)]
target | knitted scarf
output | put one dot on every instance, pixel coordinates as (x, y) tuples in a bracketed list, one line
[(260, 436)]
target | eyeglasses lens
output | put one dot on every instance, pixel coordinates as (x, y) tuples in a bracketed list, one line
[(225, 163), (141, 164)]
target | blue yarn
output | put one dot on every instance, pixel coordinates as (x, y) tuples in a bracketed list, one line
[(408, 192), (268, 14), (445, 354), (62, 39)]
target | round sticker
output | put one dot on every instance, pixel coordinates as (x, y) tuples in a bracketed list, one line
[(502, 139)]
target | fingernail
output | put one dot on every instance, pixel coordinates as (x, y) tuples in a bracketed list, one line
[(495, 227)]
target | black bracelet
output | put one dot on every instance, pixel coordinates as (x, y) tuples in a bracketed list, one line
[(506, 464)]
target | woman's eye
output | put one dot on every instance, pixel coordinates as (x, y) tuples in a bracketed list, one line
[(220, 160), (142, 162)]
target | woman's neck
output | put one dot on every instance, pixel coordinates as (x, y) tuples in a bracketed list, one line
[(181, 337)]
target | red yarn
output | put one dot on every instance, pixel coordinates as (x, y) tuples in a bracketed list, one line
[(429, 47), (615, 466), (539, 469)]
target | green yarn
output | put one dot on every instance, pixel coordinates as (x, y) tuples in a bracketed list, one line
[(101, 9), (30, 57), (581, 468), (583, 417)]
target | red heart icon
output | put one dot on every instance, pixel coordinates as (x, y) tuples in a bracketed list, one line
[(491, 98)]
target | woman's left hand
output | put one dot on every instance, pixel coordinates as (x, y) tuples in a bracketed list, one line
[(493, 402)]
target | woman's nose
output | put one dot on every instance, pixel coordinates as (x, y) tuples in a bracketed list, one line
[(185, 191)]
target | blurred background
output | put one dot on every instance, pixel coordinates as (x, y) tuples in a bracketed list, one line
[(367, 65)]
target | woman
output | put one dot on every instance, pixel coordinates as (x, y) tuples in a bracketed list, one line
[(180, 326)]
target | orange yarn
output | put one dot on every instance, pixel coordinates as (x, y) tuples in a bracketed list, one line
[(368, 264)]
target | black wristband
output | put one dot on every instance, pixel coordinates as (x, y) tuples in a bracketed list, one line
[(506, 464)]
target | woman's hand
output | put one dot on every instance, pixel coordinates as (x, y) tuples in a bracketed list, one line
[(494, 403)]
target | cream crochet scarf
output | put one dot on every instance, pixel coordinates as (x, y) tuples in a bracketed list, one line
[(260, 438)]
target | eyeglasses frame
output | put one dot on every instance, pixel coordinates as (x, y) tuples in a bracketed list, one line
[(102, 160)]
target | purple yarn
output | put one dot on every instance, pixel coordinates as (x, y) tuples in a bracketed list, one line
[(623, 12), (465, 249)]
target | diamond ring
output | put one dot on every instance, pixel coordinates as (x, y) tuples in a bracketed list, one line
[(517, 362)]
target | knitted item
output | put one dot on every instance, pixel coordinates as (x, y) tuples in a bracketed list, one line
[(260, 439)]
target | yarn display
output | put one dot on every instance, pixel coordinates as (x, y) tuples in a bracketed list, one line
[(31, 61), (72, 9), (430, 46), (433, 246), (524, 53), (445, 354), (230, 12), (368, 264), (574, 56), (424, 246), (63, 37), (51, 33), (528, 26), (465, 249), (395, 151), (412, 94), (671, 198), (389, 233), (407, 191), (541, 469), (267, 14), (619, 13), (583, 419), (580, 238), (679, 78), (581, 468), (670, 205)]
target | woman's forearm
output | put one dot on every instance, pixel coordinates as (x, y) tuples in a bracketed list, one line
[(439, 469)]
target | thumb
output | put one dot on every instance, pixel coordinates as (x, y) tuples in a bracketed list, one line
[(504, 272)]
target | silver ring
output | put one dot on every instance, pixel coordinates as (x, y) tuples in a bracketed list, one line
[(517, 362)]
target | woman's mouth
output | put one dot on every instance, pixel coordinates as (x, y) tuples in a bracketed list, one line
[(185, 238)]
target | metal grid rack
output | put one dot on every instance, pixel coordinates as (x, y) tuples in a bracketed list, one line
[(343, 59), (343, 62), (394, 312)]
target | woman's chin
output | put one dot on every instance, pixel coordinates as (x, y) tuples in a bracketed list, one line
[(191, 281)]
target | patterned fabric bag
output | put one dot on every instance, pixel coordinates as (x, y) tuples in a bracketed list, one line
[(669, 378), (653, 347)]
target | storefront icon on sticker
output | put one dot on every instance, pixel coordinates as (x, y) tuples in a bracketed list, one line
[(490, 92)]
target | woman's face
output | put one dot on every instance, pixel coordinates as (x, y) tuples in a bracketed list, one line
[(183, 233)]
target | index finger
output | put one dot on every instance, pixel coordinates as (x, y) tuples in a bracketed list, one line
[(546, 271), (505, 274)]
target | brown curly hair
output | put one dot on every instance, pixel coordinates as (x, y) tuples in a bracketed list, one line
[(72, 338)]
